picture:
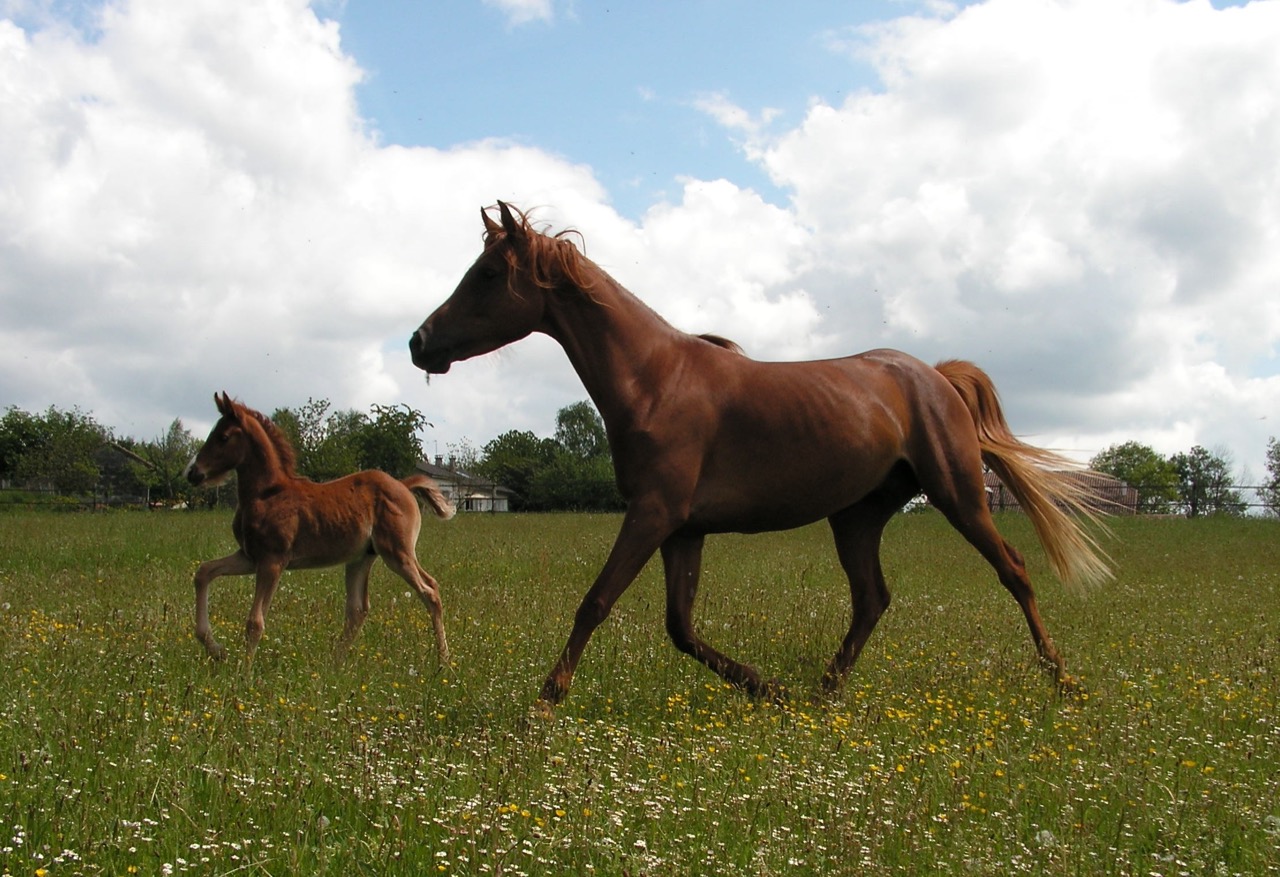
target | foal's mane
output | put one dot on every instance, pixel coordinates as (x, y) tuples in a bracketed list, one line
[(550, 258), (277, 438)]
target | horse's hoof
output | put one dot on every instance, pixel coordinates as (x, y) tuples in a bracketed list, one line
[(774, 691)]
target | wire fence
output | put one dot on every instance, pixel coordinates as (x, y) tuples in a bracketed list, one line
[(1118, 498)]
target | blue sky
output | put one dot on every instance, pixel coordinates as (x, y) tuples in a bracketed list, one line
[(1083, 196), (615, 85)]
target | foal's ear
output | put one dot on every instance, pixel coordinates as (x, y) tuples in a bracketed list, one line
[(225, 406)]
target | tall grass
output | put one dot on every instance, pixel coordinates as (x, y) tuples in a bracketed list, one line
[(124, 750)]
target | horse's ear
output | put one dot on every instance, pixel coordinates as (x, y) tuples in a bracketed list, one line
[(491, 228), (514, 228)]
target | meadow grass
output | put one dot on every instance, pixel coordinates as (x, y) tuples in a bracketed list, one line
[(124, 750)]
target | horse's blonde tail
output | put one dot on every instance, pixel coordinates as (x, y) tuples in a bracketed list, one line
[(1039, 479), (427, 494)]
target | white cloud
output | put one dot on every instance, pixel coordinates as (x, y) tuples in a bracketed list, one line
[(1081, 195), (520, 12), (190, 202)]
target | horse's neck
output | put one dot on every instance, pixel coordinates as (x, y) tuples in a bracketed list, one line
[(612, 340)]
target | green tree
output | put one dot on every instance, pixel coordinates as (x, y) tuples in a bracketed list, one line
[(325, 443), (122, 471), (580, 431), (389, 440), (573, 484), (581, 477), (513, 460), (1271, 487), (1143, 469), (166, 457), (1204, 484), (20, 432), (62, 454)]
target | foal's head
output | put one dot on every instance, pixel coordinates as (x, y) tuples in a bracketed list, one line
[(232, 441), (503, 296)]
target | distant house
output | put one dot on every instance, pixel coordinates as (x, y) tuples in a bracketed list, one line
[(468, 493), (1113, 495)]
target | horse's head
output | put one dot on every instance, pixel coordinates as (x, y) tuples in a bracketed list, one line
[(225, 448), (502, 297)]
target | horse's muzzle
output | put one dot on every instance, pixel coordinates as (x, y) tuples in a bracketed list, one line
[(433, 362)]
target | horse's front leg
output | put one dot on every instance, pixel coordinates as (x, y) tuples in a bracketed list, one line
[(640, 536), (236, 564), (682, 562), (268, 576)]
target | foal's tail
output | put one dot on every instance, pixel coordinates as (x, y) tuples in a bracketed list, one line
[(427, 493), (1038, 478)]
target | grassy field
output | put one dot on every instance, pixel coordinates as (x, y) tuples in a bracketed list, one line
[(124, 750)]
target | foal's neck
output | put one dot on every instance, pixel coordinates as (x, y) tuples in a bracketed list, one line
[(259, 471)]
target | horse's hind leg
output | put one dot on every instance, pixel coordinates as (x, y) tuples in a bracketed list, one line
[(682, 561), (357, 598), (236, 564), (857, 531), (962, 499)]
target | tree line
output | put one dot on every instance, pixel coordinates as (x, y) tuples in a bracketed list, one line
[(70, 454), (1196, 483)]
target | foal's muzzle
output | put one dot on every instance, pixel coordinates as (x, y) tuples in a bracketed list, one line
[(194, 474)]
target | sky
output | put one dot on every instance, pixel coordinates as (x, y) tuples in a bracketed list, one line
[(1082, 196)]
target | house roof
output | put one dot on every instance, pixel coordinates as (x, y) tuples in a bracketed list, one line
[(472, 485)]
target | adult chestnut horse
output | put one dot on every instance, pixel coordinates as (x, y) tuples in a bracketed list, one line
[(707, 440), (283, 521)]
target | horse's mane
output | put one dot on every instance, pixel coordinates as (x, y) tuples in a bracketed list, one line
[(721, 341), (277, 438), (550, 257), (555, 257)]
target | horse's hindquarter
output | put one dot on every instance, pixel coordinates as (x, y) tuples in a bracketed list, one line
[(797, 442)]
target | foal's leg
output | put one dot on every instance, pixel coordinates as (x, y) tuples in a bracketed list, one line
[(268, 577), (404, 563), (236, 564), (682, 561), (357, 597), (857, 532)]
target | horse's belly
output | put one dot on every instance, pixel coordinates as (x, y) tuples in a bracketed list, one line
[(784, 497)]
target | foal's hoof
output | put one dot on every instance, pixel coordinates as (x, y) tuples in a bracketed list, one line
[(541, 711), (1070, 686), (216, 653)]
